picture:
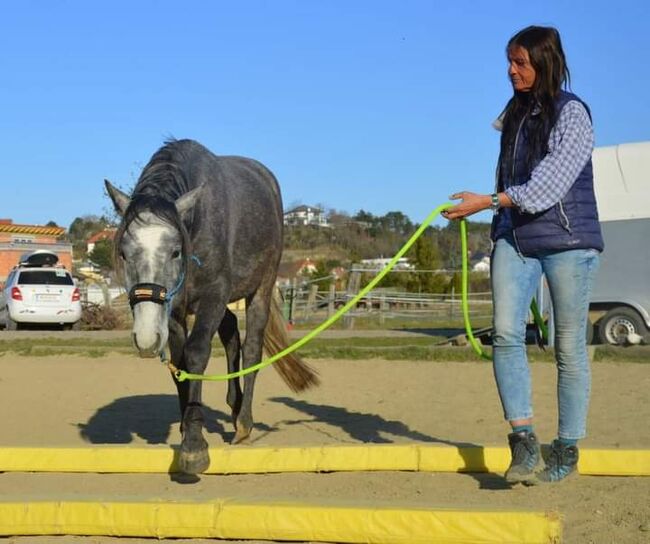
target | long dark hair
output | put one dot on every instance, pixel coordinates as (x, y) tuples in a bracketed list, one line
[(544, 48)]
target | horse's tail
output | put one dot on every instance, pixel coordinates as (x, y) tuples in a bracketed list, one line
[(297, 374)]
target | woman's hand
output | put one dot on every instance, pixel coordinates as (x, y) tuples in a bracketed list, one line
[(469, 204)]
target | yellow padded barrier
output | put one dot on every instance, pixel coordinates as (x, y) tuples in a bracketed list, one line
[(235, 519), (255, 459)]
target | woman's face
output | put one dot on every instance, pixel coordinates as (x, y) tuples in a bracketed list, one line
[(521, 71)]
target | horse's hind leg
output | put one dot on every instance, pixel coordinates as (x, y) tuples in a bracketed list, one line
[(257, 315), (229, 335)]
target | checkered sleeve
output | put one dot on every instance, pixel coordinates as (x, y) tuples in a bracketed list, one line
[(571, 142)]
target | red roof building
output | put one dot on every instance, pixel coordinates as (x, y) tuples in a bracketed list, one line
[(106, 234), (15, 240)]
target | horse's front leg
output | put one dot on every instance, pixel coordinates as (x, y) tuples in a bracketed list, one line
[(177, 338), (194, 457)]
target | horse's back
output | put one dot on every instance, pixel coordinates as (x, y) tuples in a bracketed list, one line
[(250, 179), (238, 219), (233, 177)]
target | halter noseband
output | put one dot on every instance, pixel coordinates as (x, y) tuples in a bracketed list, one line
[(147, 292), (152, 292)]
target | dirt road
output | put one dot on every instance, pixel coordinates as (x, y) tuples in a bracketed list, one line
[(52, 401)]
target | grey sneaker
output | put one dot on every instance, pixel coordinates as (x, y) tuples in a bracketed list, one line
[(526, 458), (562, 462)]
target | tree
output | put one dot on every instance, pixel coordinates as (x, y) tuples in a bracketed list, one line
[(83, 228), (102, 254), (426, 258), (365, 217), (396, 222), (322, 273)]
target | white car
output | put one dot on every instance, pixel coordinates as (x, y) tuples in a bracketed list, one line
[(38, 291)]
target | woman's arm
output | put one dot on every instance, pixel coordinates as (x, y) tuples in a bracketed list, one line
[(571, 142)]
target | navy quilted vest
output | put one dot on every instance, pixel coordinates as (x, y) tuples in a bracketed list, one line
[(571, 224)]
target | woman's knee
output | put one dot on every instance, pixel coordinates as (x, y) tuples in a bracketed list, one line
[(508, 332)]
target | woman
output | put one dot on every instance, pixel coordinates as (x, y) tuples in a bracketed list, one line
[(545, 222)]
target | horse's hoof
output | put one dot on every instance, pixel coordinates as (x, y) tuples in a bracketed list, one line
[(195, 461), (241, 434)]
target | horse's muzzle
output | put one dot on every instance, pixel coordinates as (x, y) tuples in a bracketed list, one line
[(148, 352)]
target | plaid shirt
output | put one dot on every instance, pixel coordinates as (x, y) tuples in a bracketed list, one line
[(571, 142)]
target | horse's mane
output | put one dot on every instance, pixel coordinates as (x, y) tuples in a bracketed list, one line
[(162, 181), (165, 174)]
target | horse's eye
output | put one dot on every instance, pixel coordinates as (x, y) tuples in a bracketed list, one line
[(176, 254)]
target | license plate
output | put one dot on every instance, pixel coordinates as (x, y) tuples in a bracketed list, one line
[(47, 297)]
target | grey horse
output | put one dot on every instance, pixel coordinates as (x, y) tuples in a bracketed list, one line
[(200, 231)]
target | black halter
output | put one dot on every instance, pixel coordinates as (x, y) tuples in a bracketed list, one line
[(152, 292), (147, 292)]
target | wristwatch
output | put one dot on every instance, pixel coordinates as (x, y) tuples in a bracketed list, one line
[(494, 205)]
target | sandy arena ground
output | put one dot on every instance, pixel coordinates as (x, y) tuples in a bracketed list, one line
[(51, 401)]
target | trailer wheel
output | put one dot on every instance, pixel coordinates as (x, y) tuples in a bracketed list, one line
[(617, 324)]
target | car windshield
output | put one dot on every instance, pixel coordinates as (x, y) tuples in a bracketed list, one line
[(45, 277)]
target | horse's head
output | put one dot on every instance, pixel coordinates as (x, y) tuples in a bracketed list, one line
[(151, 251)]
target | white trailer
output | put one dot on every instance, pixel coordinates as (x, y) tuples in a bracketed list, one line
[(620, 301)]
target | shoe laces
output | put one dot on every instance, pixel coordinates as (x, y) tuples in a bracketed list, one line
[(559, 461), (523, 451)]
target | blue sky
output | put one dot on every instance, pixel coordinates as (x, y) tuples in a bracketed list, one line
[(370, 104)]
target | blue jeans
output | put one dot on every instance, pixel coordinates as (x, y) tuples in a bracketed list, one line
[(515, 279)]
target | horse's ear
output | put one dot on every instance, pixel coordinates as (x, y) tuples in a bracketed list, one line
[(120, 200), (185, 203)]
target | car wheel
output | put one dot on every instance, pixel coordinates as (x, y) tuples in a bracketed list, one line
[(10, 324), (618, 324)]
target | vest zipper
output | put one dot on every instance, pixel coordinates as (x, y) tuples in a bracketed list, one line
[(514, 158), (564, 219)]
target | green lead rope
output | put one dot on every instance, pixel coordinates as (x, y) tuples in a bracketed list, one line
[(181, 375), (537, 316)]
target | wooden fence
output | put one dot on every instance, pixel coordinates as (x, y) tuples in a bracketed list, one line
[(303, 304)]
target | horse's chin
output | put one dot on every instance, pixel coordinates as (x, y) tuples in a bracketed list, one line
[(148, 354)]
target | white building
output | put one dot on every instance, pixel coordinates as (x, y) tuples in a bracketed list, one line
[(381, 262), (305, 215)]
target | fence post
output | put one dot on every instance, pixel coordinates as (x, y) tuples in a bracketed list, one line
[(352, 289), (331, 297), (451, 306), (311, 300), (292, 297)]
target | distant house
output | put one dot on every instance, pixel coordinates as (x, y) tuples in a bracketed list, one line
[(18, 239), (482, 264), (381, 262), (289, 271), (305, 215), (106, 234), (306, 266)]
